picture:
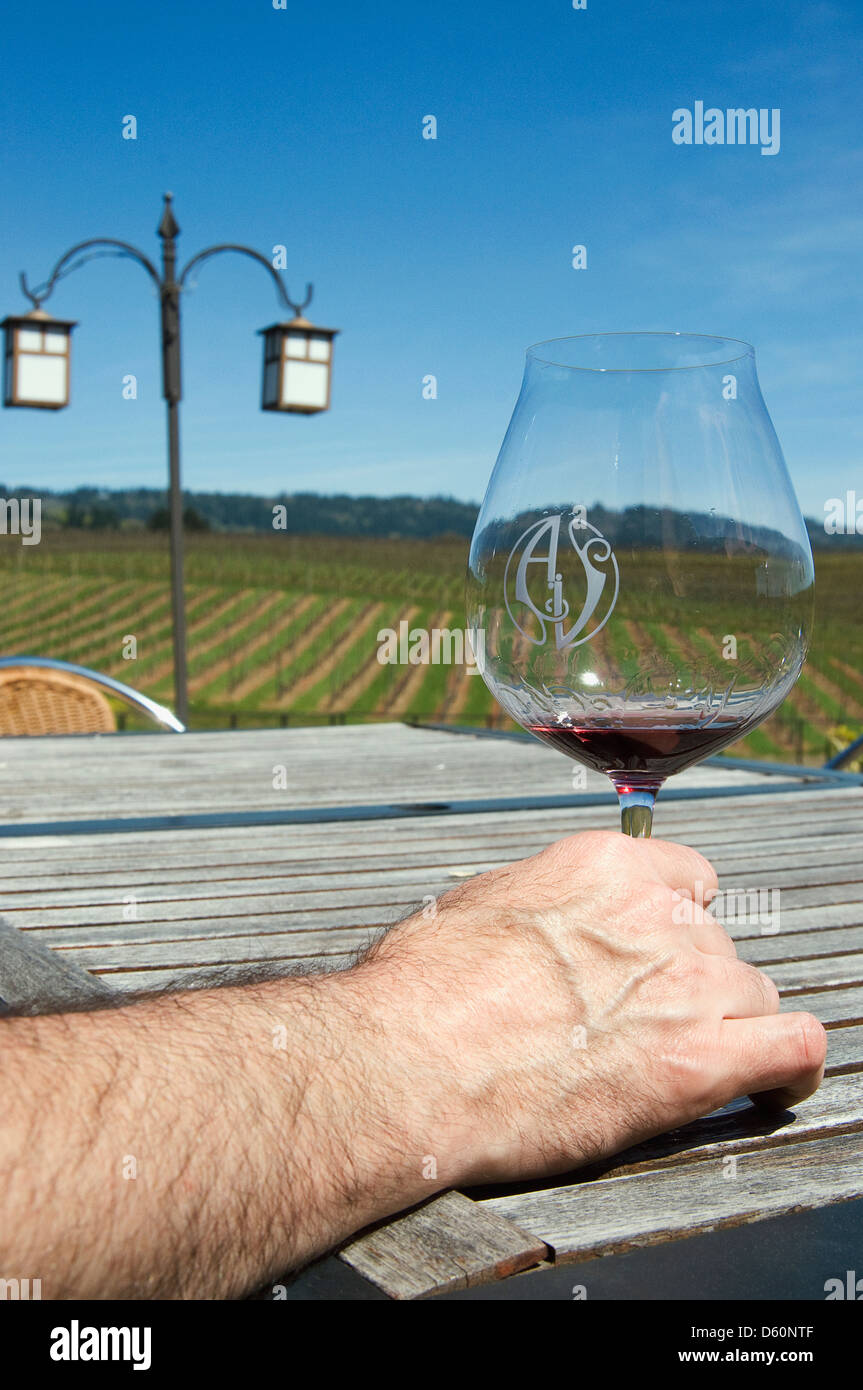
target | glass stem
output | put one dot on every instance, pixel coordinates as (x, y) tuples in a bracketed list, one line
[(636, 810)]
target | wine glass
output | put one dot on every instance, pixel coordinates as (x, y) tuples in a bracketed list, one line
[(640, 582)]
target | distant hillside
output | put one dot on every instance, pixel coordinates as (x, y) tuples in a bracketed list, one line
[(308, 513), (311, 513)]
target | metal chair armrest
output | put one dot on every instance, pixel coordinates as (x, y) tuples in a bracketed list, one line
[(158, 713)]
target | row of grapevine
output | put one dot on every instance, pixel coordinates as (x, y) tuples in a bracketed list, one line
[(288, 630)]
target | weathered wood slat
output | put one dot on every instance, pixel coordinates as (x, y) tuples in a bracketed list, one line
[(130, 917), (339, 906), (766, 951), (337, 911), (815, 829), (346, 890), (326, 767), (449, 1243), (844, 1049), (757, 807), (212, 902), (199, 790), (805, 919), (320, 941), (614, 1214), (840, 1005), (239, 861), (270, 911), (301, 871), (403, 885), (819, 974), (204, 950)]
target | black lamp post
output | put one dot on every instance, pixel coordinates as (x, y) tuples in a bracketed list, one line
[(37, 355)]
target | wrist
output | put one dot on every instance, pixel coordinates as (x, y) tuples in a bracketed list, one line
[(403, 1059), (386, 1072), (360, 1101)]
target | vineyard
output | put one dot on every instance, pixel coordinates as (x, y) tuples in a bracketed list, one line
[(283, 630)]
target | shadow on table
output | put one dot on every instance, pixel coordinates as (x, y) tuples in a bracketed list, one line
[(738, 1120)]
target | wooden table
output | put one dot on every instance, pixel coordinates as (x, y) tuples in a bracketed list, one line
[(154, 859)]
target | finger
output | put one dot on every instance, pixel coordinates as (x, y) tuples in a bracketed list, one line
[(779, 1059), (742, 990), (681, 868), (654, 861)]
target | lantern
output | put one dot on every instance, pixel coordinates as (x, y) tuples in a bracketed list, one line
[(37, 361), (298, 360)]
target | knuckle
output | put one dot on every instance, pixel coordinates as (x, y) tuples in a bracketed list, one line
[(723, 939), (599, 851), (691, 863), (607, 843), (706, 871), (569, 847), (769, 990), (754, 981)]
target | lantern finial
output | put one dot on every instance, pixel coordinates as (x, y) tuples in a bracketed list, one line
[(168, 227)]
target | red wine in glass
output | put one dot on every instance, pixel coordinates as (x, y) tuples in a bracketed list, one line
[(639, 756), (640, 581)]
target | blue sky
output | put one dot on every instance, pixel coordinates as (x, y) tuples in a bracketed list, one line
[(303, 127)]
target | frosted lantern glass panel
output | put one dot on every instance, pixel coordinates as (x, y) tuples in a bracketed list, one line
[(55, 342), (41, 378), (319, 349), (271, 382), (305, 384), (296, 345), (29, 340)]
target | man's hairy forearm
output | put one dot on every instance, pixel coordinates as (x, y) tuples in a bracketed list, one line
[(198, 1145), (546, 1014)]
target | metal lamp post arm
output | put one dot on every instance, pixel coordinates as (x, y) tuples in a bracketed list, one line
[(256, 256), (122, 248), (168, 293), (169, 288)]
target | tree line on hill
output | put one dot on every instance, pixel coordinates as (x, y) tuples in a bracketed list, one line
[(307, 513), (311, 513)]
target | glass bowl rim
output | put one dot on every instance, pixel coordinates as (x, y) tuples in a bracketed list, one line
[(533, 353)]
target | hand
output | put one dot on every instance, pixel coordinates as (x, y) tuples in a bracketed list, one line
[(560, 1009), (548, 1013)]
